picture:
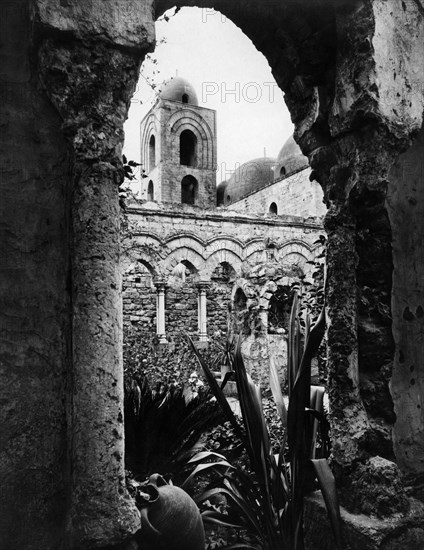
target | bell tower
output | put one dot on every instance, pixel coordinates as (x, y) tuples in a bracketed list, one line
[(178, 148)]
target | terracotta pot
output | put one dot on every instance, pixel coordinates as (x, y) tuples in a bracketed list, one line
[(170, 520)]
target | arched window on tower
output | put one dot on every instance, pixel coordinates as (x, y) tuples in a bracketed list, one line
[(152, 153), (184, 98), (188, 146), (282, 171), (189, 189), (150, 191), (273, 209)]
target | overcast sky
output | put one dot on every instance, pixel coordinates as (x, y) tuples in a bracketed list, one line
[(228, 74)]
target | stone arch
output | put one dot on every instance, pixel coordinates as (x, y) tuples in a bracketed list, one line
[(187, 119), (180, 255), (186, 240), (297, 261), (247, 288), (143, 259), (137, 274), (224, 271), (149, 250), (142, 240), (148, 130), (180, 272), (224, 243), (303, 248), (220, 256), (352, 135)]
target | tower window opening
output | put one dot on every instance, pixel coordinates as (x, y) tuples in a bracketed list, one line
[(152, 153), (189, 190), (150, 191), (188, 146), (282, 171), (273, 209), (184, 98)]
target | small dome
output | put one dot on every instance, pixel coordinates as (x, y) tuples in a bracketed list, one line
[(179, 89), (249, 177), (290, 159)]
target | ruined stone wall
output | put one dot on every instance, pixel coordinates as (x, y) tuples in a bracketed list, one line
[(161, 236), (218, 302), (293, 195), (352, 77), (35, 328), (181, 307), (405, 201), (139, 301), (63, 106), (207, 241)]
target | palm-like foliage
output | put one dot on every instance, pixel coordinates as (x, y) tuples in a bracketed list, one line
[(163, 424), (269, 503)]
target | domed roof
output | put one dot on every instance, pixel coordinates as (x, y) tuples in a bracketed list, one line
[(249, 177), (179, 89), (290, 159)]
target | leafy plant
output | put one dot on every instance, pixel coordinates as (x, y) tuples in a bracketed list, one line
[(163, 424), (268, 502)]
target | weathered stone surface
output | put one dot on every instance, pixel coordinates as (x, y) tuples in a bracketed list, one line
[(405, 205), (219, 253), (122, 22), (364, 532), (377, 483), (341, 66), (34, 299)]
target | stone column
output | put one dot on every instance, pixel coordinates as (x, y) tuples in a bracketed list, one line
[(202, 313), (160, 310), (100, 512)]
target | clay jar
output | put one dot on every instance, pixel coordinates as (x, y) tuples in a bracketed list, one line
[(170, 519)]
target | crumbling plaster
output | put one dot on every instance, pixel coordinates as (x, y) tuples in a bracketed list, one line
[(71, 67)]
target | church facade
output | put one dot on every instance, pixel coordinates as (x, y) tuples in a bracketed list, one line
[(195, 251)]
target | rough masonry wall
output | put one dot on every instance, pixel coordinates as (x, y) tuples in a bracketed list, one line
[(351, 76), (181, 307), (216, 246), (65, 95), (294, 195), (350, 72), (35, 328), (161, 236), (218, 297), (405, 202)]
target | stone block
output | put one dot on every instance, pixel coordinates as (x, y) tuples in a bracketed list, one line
[(361, 532)]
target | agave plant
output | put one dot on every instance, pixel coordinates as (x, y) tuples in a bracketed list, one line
[(268, 502), (163, 425)]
